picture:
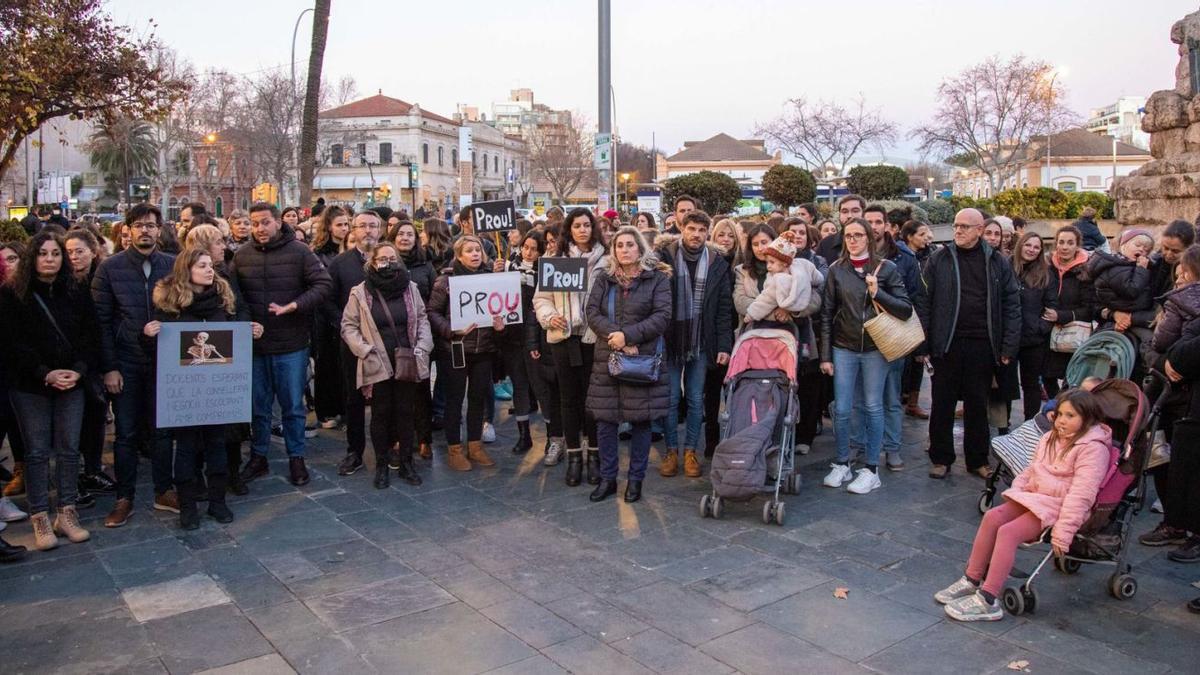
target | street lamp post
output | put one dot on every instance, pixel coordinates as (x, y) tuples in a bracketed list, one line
[(293, 64), (929, 194)]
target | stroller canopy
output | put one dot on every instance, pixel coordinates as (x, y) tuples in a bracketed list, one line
[(1106, 355)]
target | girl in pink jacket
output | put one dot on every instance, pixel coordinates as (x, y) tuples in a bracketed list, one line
[(1057, 491)]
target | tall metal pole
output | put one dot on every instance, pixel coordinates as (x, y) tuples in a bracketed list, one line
[(604, 181)]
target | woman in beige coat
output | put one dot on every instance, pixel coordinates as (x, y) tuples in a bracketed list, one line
[(384, 324)]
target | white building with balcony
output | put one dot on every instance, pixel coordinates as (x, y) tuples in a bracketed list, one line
[(1121, 120)]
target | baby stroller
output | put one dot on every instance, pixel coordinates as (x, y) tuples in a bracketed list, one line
[(759, 408), (1107, 354), (1104, 538)]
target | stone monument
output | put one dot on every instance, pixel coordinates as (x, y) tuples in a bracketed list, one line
[(1168, 187)]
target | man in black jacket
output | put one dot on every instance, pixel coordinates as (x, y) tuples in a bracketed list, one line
[(849, 208), (971, 308), (122, 290), (346, 271), (283, 284), (700, 336)]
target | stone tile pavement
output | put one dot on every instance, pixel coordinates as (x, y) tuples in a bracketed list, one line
[(507, 570)]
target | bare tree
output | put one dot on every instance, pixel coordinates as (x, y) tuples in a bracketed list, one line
[(989, 115), (176, 130), (338, 93), (562, 154), (270, 121), (312, 98), (825, 135)]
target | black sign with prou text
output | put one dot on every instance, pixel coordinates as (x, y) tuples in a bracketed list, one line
[(497, 216), (562, 274)]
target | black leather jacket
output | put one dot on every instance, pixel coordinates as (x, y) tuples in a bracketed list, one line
[(846, 306), (940, 304)]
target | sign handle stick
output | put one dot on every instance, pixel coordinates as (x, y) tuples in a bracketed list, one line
[(499, 251)]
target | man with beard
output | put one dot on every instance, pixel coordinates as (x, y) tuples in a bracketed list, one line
[(283, 284), (849, 208), (122, 290), (347, 271)]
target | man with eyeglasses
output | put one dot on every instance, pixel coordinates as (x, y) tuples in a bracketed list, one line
[(122, 290), (849, 208), (971, 312), (283, 284), (346, 271)]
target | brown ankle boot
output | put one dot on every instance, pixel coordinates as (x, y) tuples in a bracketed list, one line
[(425, 450), (16, 486), (691, 464), (669, 466), (67, 524), (455, 458), (477, 454), (43, 532)]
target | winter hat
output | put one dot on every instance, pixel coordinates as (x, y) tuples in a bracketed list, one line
[(783, 248), (611, 214), (1132, 232)]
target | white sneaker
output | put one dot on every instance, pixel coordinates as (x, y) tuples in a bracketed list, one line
[(553, 453), (802, 448), (864, 482), (9, 512), (489, 433), (840, 473), (1157, 506), (959, 589), (974, 608)]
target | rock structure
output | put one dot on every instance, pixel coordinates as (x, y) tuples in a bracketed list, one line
[(1168, 187)]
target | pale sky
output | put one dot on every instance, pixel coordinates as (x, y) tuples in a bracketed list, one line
[(684, 70)]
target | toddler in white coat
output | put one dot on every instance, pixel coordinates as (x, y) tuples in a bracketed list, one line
[(787, 286)]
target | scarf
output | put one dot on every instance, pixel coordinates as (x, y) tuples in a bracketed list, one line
[(414, 256), (391, 281), (206, 302), (625, 278), (689, 303), (528, 273), (758, 271)]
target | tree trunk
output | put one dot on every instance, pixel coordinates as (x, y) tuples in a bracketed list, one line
[(312, 93)]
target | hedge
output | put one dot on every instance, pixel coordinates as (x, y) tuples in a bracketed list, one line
[(12, 231)]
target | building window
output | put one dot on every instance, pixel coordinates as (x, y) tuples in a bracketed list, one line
[(441, 156), (335, 154), (362, 153), (454, 157), (212, 167), (1068, 186), (473, 162), (385, 153), (496, 164), (485, 163), (424, 153)]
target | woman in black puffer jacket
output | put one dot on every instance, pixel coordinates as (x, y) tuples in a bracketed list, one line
[(1037, 294), (629, 308), (422, 273)]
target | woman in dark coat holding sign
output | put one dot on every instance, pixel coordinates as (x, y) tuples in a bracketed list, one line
[(629, 308), (194, 292), (518, 363), (464, 359)]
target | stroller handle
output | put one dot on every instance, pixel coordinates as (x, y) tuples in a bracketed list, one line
[(789, 326), (1163, 380)]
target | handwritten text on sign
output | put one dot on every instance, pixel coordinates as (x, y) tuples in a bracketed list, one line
[(496, 216), (562, 274), (204, 373), (476, 298)]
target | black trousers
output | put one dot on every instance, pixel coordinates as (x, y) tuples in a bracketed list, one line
[(545, 387), (423, 412), (471, 383), (91, 434), (196, 446), (914, 373), (573, 376), (1032, 363), (9, 428), (515, 359), (714, 379), (355, 405), (1183, 488), (809, 386), (393, 409), (328, 381), (964, 374)]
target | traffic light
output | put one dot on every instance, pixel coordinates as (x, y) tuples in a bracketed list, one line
[(414, 174)]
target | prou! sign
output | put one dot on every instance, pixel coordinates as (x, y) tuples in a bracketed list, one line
[(497, 216), (476, 298)]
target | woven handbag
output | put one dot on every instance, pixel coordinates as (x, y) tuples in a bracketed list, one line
[(894, 338)]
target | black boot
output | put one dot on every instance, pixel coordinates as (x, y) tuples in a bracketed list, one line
[(604, 490), (189, 516), (408, 471), (574, 467), (233, 459), (217, 510), (10, 552), (524, 441), (593, 467), (633, 491), (382, 480)]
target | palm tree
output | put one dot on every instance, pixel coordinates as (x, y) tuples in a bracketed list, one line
[(125, 147), (308, 124)]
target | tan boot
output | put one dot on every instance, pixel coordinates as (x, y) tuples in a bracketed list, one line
[(455, 459), (16, 486), (669, 466), (43, 533), (67, 524), (425, 450), (477, 454), (691, 464)]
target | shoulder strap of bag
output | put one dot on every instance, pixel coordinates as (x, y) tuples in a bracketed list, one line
[(388, 313), (612, 303), (50, 316)]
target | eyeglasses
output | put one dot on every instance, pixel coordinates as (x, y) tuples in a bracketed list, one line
[(386, 260), (143, 226), (854, 236), (962, 226)]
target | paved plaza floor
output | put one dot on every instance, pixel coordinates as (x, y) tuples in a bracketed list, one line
[(508, 570)]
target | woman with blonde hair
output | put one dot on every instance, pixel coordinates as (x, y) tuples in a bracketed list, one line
[(194, 292)]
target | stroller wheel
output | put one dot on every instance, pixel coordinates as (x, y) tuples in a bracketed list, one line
[(985, 501), (780, 513), (717, 507), (1122, 586), (1014, 601), (794, 484), (1030, 597), (705, 503), (767, 515), (1066, 565)]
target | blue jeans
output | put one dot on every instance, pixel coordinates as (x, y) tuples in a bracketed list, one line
[(50, 426), (691, 376), (851, 371), (134, 413), (893, 409), (610, 455), (279, 377)]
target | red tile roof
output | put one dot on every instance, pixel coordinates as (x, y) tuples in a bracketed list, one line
[(379, 106), (720, 148)]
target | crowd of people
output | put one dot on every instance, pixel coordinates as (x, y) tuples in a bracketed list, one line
[(361, 299)]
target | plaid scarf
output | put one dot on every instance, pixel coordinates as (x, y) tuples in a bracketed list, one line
[(689, 304)]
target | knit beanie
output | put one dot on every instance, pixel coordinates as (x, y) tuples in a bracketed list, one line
[(1132, 232), (783, 248)]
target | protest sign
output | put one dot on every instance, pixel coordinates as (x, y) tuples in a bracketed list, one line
[(475, 298), (498, 216), (562, 274), (204, 371)]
